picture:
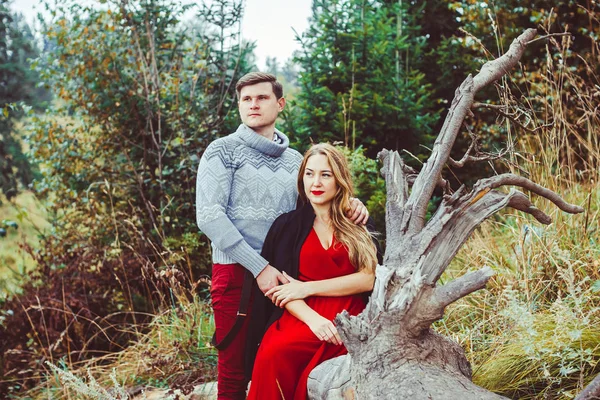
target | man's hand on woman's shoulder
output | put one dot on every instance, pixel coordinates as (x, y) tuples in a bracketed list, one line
[(358, 213)]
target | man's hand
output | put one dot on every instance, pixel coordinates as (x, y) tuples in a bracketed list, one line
[(283, 294), (269, 278), (358, 213)]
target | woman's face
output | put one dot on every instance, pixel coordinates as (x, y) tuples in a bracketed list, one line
[(320, 186)]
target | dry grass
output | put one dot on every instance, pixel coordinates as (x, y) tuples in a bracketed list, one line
[(175, 352)]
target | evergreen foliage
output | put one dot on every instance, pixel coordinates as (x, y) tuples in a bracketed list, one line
[(364, 79), (18, 83)]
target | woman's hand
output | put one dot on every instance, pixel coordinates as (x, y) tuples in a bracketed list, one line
[(283, 294), (325, 330)]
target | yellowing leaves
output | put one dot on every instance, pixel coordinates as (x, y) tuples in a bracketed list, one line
[(178, 141)]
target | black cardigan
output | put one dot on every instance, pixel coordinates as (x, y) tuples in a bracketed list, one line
[(282, 249)]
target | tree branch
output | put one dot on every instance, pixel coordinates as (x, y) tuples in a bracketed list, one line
[(412, 174), (430, 173), (472, 147), (453, 222), (467, 159), (522, 203), (394, 171), (397, 193), (461, 287), (461, 105), (515, 180), (489, 106), (473, 154), (547, 36), (495, 69), (499, 109)]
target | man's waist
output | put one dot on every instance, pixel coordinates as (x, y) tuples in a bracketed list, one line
[(220, 257)]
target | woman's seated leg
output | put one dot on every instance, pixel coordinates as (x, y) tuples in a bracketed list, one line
[(281, 360)]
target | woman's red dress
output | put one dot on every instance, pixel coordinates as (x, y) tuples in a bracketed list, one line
[(290, 350)]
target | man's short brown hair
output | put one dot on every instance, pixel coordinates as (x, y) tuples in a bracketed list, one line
[(252, 78)]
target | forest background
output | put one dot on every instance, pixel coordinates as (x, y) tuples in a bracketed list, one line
[(108, 108)]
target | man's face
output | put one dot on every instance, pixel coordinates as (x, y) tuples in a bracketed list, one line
[(259, 107)]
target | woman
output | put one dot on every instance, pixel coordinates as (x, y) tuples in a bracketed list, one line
[(334, 260)]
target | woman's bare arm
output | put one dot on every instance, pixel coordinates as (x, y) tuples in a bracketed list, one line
[(358, 282), (323, 328)]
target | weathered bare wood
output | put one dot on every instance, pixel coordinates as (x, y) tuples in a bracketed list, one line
[(412, 174), (515, 180), (467, 159), (331, 380), (522, 203), (462, 286), (432, 169), (591, 391), (495, 69), (397, 194)]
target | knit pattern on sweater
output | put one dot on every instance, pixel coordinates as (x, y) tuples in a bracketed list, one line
[(244, 182)]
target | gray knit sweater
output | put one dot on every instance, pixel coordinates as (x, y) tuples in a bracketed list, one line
[(244, 182)]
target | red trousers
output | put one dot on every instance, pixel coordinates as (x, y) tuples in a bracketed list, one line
[(226, 291)]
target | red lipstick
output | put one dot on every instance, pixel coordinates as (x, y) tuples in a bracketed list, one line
[(317, 192)]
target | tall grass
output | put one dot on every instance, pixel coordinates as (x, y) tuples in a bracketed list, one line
[(534, 333)]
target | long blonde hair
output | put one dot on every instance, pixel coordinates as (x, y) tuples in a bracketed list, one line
[(356, 238)]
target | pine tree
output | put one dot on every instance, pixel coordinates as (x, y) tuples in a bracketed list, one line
[(363, 80), (18, 83)]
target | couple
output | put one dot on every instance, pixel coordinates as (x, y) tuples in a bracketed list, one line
[(317, 258)]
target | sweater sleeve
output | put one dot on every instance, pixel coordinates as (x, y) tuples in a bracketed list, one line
[(213, 187)]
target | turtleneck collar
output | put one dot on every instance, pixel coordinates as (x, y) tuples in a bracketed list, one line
[(261, 143)]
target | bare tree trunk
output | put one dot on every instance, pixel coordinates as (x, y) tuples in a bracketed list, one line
[(393, 352)]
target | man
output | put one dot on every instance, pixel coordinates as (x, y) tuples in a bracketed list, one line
[(245, 180)]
